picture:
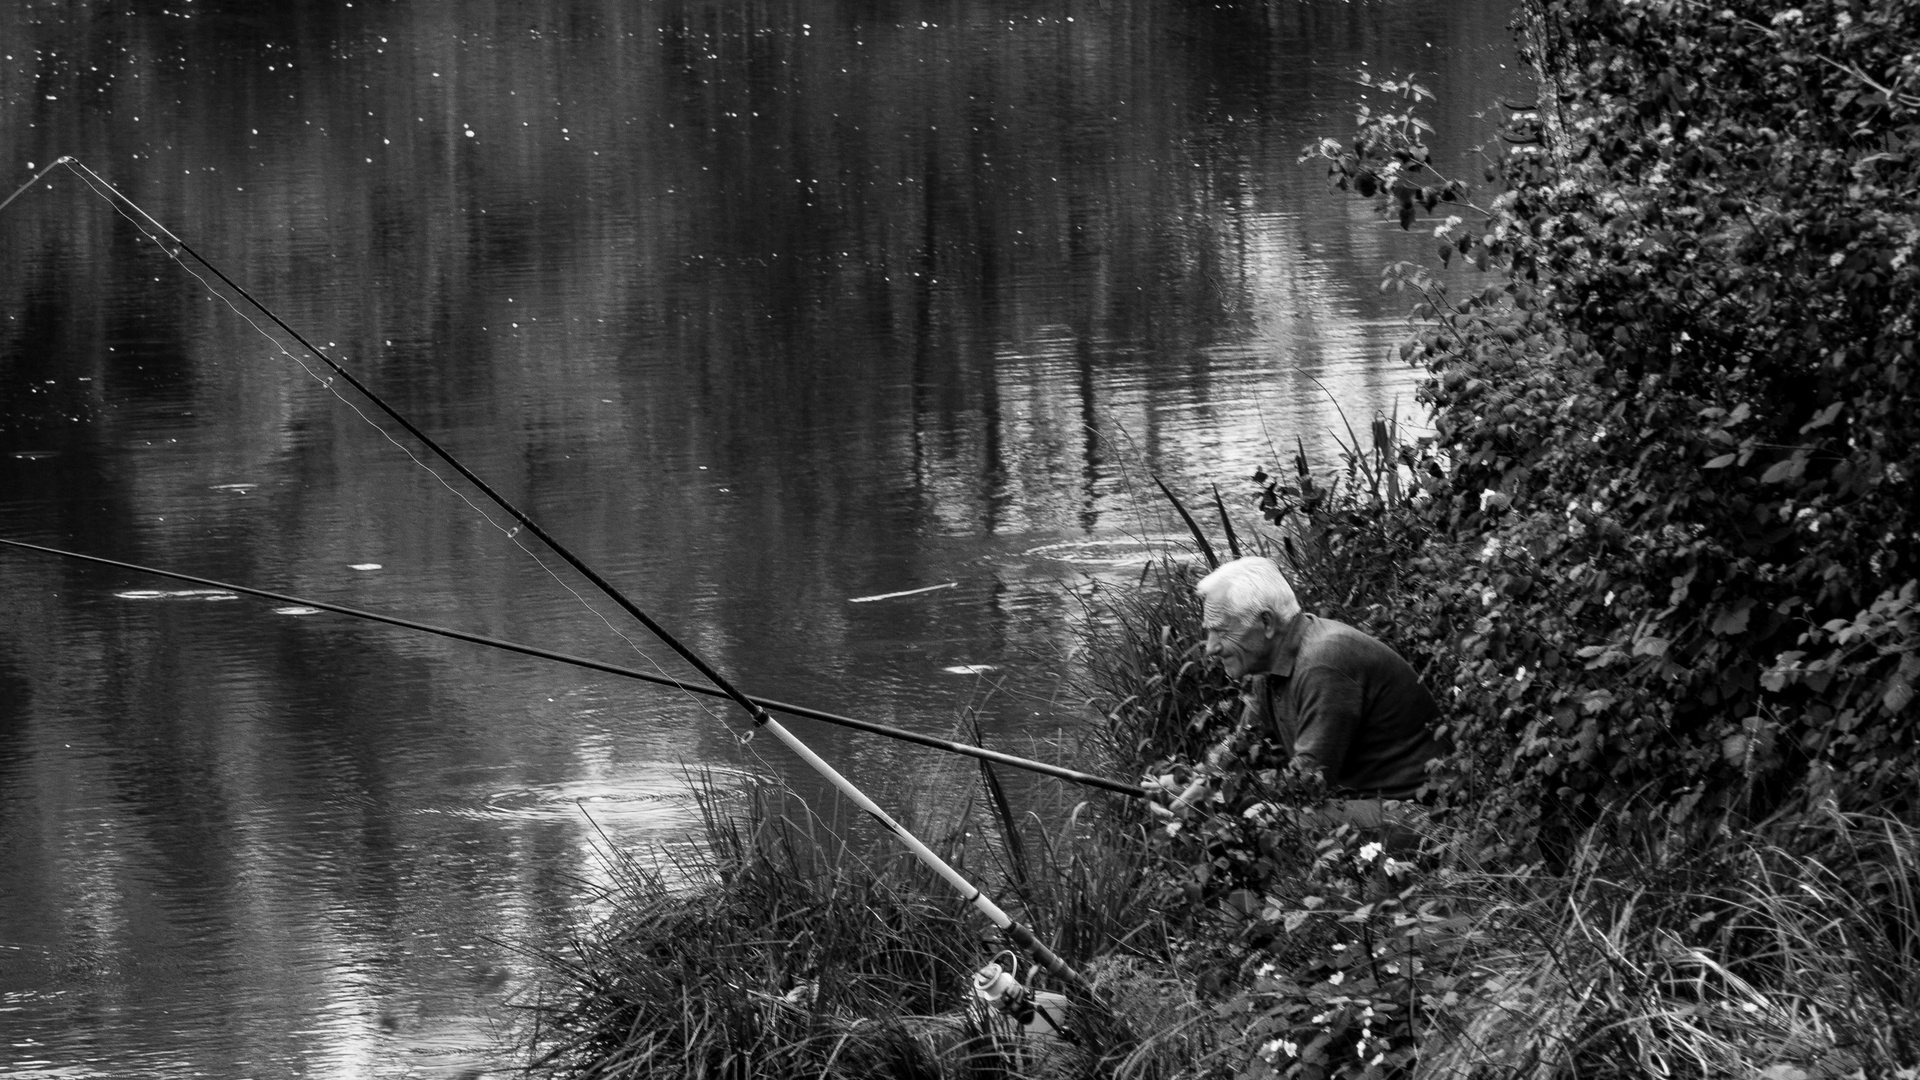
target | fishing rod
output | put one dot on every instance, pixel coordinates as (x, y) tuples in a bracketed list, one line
[(967, 749), (762, 720)]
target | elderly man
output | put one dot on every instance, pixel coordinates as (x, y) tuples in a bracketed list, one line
[(1345, 708)]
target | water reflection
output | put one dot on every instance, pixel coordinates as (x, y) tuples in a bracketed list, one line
[(762, 311)]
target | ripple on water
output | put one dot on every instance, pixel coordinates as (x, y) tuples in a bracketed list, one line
[(650, 795), (1111, 552)]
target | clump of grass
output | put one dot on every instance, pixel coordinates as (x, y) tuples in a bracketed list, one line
[(772, 946), (1758, 958), (775, 945), (1145, 676)]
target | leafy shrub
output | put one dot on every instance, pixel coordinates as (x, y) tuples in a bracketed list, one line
[(1669, 553)]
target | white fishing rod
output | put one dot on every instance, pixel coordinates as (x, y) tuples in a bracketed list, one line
[(981, 902)]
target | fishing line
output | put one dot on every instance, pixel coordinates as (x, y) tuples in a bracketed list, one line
[(120, 202), (36, 179), (964, 749), (974, 896)]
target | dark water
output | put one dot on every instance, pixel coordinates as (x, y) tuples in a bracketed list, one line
[(761, 307)]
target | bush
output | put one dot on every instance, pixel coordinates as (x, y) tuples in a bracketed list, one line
[(1669, 552)]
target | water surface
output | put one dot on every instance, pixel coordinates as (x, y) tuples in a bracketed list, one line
[(762, 308)]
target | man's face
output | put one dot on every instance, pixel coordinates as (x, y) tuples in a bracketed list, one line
[(1243, 646)]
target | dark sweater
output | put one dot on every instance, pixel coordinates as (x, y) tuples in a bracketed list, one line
[(1338, 699)]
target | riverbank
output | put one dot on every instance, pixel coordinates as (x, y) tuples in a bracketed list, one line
[(1660, 557), (1237, 946)]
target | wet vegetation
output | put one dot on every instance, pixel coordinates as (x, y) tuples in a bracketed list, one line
[(1658, 556)]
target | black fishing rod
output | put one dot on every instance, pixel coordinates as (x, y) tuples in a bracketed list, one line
[(967, 749), (762, 720), (759, 715)]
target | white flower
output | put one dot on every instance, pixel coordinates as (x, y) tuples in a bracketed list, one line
[(1337, 978), (1370, 852), (1273, 1047)]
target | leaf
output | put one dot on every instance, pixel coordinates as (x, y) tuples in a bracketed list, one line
[(1650, 646), (1733, 620), (1226, 523), (1897, 697), (1722, 461), (1733, 749), (1899, 690), (1781, 471), (1206, 549), (1823, 417)]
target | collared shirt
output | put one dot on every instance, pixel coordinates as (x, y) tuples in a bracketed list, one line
[(1339, 700)]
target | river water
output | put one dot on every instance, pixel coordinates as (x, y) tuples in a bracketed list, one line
[(763, 308)]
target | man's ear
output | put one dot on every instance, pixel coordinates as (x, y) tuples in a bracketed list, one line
[(1269, 625)]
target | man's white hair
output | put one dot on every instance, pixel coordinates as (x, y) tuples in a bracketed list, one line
[(1244, 588)]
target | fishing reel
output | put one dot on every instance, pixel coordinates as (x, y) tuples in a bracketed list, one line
[(1037, 1012)]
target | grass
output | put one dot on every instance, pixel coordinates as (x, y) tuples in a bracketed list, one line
[(778, 945), (1755, 959), (753, 952), (781, 945)]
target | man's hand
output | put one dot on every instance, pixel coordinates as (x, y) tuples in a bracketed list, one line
[(1165, 797), (1161, 790)]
